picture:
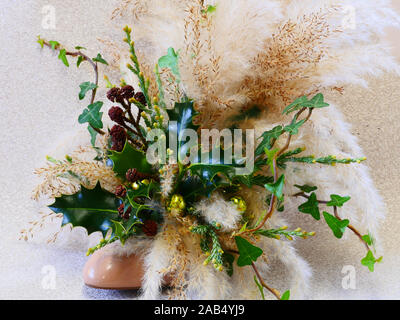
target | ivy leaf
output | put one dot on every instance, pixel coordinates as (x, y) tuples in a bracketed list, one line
[(368, 239), (85, 87), (260, 287), (295, 105), (337, 201), (79, 61), (270, 157), (171, 61), (100, 59), (317, 102), (311, 207), (93, 135), (92, 115), (54, 44), (129, 158), (306, 188), (41, 42), (267, 136), (80, 48), (286, 295), (63, 57), (369, 261), (210, 9), (277, 187), (337, 226), (293, 128), (248, 252), (92, 209)]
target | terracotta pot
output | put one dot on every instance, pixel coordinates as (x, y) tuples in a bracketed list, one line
[(105, 270)]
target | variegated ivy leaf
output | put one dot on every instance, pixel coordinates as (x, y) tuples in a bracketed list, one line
[(92, 115)]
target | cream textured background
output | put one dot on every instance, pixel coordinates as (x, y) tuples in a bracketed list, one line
[(39, 107)]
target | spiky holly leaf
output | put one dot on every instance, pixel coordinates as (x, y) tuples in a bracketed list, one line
[(100, 59), (253, 180), (181, 118), (170, 61), (248, 253), (228, 263), (337, 201), (92, 209), (306, 188), (85, 88), (277, 187), (369, 261), (92, 115), (129, 158), (311, 207), (144, 190), (267, 137), (337, 226)]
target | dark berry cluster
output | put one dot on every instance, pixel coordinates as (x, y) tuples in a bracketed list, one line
[(120, 191), (150, 228), (124, 94), (118, 138), (132, 175), (124, 214)]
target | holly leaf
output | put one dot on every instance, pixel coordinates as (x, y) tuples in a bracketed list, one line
[(92, 209), (183, 114), (85, 88), (170, 61), (286, 295), (247, 252), (369, 261), (228, 263), (63, 57), (129, 158), (277, 187), (267, 136), (337, 201), (311, 207), (92, 115), (337, 226), (253, 180), (306, 188), (100, 59)]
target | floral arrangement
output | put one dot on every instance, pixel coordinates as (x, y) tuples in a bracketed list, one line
[(212, 207)]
